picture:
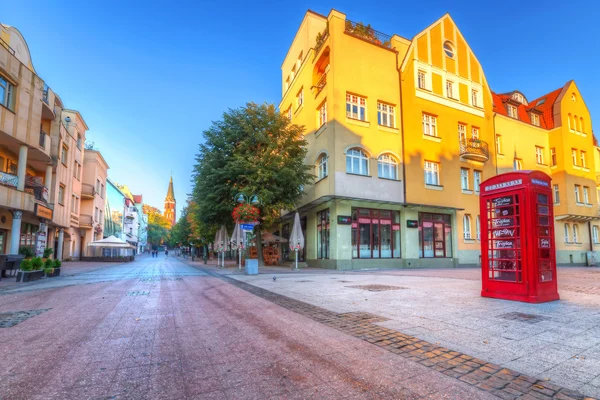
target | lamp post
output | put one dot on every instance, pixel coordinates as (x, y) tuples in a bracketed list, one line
[(254, 200)]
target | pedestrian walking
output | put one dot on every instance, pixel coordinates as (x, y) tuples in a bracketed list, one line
[(166, 253)]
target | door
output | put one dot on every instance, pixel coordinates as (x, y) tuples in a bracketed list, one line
[(3, 236)]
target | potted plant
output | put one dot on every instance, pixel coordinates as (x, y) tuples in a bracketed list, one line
[(26, 251), (31, 270), (49, 268), (48, 252), (57, 265)]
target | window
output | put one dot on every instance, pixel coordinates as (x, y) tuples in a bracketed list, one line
[(553, 156), (478, 228), (449, 49), (518, 97), (289, 113), (556, 194), (462, 133), (421, 80), (464, 179), (356, 107), (300, 98), (102, 190), (595, 234), (535, 119), (97, 185), (467, 226), (387, 166), (570, 121), (474, 133), (323, 234), (357, 162), (518, 164), (476, 180), (385, 115), (567, 229), (512, 111), (73, 204), (575, 233), (322, 114), (322, 166), (96, 214), (61, 194), (7, 94), (577, 195), (64, 154), (499, 144), (375, 233), (475, 97), (582, 158), (581, 124), (432, 173), (539, 155), (586, 195), (79, 141), (435, 235), (429, 122), (574, 156), (450, 89)]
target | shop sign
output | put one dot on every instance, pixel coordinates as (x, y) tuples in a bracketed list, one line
[(43, 211), (411, 223), (344, 220)]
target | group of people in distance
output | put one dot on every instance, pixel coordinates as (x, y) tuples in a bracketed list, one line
[(155, 253)]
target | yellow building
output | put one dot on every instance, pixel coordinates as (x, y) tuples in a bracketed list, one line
[(402, 132)]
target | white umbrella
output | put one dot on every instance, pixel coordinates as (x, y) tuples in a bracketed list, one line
[(224, 241), (237, 239), (296, 238)]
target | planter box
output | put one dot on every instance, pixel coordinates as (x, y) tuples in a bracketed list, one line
[(28, 276), (54, 274)]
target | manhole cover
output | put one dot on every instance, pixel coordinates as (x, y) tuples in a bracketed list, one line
[(529, 318), (138, 293), (376, 288), (9, 319)]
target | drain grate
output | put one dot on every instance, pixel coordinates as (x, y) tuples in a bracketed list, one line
[(529, 318), (9, 319), (138, 293), (377, 288)]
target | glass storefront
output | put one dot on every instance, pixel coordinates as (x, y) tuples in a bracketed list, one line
[(28, 235), (375, 233), (323, 234), (435, 235)]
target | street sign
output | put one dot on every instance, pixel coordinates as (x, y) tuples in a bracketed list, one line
[(247, 227)]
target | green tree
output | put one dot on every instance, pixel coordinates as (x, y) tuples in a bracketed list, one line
[(158, 226), (253, 150)]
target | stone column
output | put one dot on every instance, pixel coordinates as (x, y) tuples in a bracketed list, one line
[(15, 233), (48, 179), (22, 167), (61, 238)]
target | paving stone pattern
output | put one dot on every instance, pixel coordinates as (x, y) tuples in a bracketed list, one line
[(523, 317), (492, 378), (376, 288), (10, 319)]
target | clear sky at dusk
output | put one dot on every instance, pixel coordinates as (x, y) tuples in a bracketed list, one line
[(150, 76)]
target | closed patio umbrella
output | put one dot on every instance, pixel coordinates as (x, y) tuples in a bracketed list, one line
[(296, 238), (237, 239)]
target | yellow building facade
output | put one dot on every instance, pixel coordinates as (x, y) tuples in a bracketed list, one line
[(402, 132)]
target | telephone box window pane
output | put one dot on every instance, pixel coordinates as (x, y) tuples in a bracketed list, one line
[(545, 276), (544, 243), (543, 231), (545, 253), (543, 221), (542, 198), (543, 210)]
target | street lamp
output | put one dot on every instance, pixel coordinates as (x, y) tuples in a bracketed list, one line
[(255, 199)]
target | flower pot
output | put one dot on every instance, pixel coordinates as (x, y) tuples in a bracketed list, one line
[(54, 273), (28, 276)]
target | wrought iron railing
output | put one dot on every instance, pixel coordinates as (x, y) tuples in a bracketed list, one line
[(474, 147), (39, 191), (321, 84), (43, 139), (367, 33), (45, 95)]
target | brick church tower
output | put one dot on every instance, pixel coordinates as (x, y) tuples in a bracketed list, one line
[(170, 204)]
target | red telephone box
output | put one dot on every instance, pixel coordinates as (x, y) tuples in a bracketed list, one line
[(517, 244)]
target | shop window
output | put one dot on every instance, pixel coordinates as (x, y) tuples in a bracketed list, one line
[(435, 239), (375, 233), (478, 228), (323, 234)]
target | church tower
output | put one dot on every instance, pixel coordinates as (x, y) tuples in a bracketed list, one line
[(170, 204)]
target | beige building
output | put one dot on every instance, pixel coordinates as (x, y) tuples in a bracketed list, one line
[(93, 197), (41, 160)]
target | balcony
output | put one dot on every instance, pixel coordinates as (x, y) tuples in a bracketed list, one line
[(43, 136), (320, 84), (74, 220), (85, 221), (48, 111), (474, 149), (369, 34), (88, 191), (38, 190)]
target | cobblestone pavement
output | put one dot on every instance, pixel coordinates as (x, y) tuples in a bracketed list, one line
[(160, 329)]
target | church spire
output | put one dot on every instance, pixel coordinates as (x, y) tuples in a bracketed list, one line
[(170, 193), (170, 204)]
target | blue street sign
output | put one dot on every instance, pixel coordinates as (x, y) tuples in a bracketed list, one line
[(247, 227)]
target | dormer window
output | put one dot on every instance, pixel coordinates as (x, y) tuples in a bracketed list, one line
[(449, 49), (535, 119), (518, 97), (512, 111)]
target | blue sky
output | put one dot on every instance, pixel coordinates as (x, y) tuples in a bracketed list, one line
[(149, 76)]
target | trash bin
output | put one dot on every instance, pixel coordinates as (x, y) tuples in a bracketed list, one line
[(591, 258), (251, 266)]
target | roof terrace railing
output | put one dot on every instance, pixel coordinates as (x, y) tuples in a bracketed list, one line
[(367, 33)]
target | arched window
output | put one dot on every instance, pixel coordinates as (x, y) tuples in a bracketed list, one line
[(322, 166), (357, 162), (566, 233), (581, 124), (387, 166), (478, 228), (570, 121), (575, 233), (467, 226)]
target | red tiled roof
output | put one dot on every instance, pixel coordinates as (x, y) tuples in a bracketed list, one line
[(523, 111), (137, 198)]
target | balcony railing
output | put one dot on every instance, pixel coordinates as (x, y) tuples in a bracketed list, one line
[(7, 47), (45, 94), (320, 84), (43, 139), (85, 221), (38, 190), (9, 180), (88, 191), (474, 149), (369, 34)]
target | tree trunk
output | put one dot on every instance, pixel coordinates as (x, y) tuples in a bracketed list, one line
[(259, 252)]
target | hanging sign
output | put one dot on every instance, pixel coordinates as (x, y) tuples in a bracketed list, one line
[(42, 211)]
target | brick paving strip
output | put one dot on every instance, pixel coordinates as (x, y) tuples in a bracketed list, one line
[(502, 382)]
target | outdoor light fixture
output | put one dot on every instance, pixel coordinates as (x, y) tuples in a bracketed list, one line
[(255, 200), (240, 198)]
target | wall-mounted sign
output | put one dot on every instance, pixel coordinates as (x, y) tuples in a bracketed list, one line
[(247, 227), (344, 220), (411, 223), (42, 211)]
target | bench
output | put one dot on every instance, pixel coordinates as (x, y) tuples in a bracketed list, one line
[(10, 262)]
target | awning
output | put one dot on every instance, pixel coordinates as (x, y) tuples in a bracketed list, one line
[(111, 242), (576, 218)]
